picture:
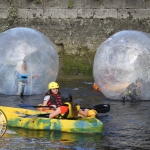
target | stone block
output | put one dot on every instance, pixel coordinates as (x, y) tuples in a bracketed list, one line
[(4, 4), (63, 4), (105, 13), (77, 4), (51, 3), (35, 13), (141, 14), (97, 4), (92, 4), (3, 13), (123, 4), (71, 13), (86, 3), (85, 13), (29, 4), (62, 13), (23, 13), (133, 13), (17, 3), (123, 13), (54, 13), (147, 4)]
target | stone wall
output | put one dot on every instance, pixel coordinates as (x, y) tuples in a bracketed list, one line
[(76, 27)]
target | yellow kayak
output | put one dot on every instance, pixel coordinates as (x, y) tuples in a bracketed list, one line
[(19, 117)]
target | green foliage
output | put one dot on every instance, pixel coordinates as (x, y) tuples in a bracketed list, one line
[(12, 17), (70, 4), (37, 1), (76, 66)]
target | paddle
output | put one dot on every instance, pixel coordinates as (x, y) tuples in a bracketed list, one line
[(100, 108), (32, 116), (32, 106)]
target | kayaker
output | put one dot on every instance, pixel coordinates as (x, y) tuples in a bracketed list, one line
[(53, 96), (70, 109), (133, 91)]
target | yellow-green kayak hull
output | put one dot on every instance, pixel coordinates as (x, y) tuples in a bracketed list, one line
[(15, 118)]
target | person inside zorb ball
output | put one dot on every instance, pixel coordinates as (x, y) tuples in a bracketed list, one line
[(122, 66), (28, 61)]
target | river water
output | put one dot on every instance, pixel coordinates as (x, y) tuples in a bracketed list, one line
[(126, 125)]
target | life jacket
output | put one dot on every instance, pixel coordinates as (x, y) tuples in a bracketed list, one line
[(55, 100), (96, 87), (68, 114)]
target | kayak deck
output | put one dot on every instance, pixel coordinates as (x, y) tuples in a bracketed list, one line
[(15, 118)]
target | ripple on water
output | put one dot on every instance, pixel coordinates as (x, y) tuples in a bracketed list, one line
[(126, 126)]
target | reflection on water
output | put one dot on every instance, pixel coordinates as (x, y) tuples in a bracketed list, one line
[(126, 126), (50, 135), (30, 139)]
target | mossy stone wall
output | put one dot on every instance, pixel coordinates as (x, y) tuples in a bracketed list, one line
[(76, 27)]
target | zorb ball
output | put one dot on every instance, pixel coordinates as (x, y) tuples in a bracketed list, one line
[(120, 61), (28, 62)]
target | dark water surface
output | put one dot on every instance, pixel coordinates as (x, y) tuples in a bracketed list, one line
[(126, 126)]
